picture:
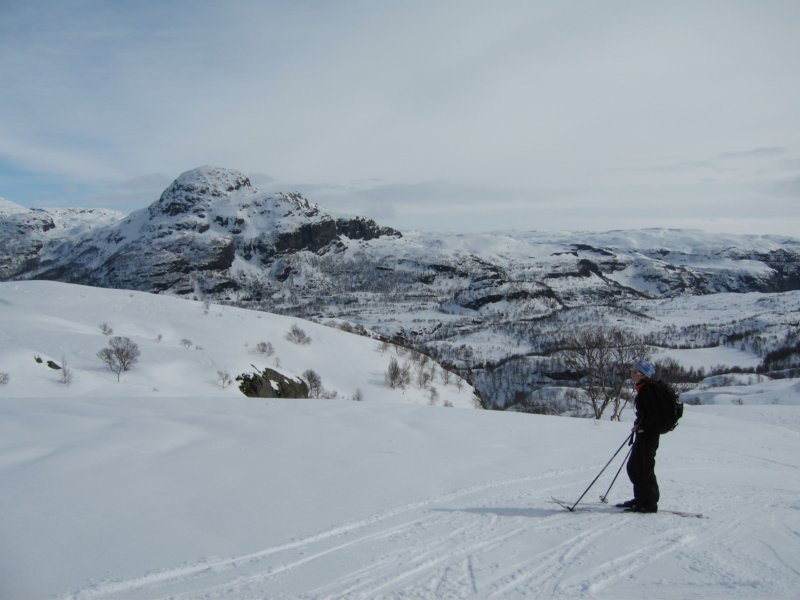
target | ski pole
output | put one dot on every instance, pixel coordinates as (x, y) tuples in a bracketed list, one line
[(627, 439), (604, 497)]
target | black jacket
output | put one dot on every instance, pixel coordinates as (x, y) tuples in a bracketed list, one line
[(645, 405)]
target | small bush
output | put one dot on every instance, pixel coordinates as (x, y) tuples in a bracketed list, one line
[(4, 378), (433, 395), (105, 329), (265, 348), (224, 379), (297, 335)]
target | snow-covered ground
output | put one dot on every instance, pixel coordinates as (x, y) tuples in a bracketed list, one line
[(166, 485)]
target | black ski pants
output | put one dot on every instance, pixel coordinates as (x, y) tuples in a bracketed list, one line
[(642, 469)]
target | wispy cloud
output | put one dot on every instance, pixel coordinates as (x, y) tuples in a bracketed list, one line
[(771, 152)]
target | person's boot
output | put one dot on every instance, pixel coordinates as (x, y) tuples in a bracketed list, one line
[(627, 504), (643, 508)]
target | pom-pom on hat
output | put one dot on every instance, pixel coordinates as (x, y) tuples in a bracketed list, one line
[(646, 368)]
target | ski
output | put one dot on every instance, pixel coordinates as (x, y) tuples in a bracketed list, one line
[(683, 513), (563, 504), (612, 509)]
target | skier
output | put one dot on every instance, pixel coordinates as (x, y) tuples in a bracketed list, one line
[(642, 462)]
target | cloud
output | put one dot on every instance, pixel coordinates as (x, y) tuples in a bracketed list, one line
[(771, 152), (430, 107)]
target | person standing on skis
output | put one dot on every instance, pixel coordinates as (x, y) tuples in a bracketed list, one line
[(642, 462)]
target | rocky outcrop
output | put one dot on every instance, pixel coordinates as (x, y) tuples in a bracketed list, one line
[(786, 265), (268, 383)]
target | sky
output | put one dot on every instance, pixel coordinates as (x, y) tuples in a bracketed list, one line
[(448, 115)]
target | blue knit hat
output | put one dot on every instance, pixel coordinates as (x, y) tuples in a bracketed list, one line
[(645, 367)]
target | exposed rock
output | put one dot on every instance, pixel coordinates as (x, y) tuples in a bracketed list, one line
[(268, 383)]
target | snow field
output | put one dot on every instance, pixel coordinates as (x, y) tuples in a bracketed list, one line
[(235, 498), (118, 491)]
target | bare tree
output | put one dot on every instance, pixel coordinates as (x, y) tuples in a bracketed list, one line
[(314, 382), (66, 372), (397, 376), (602, 357), (120, 355)]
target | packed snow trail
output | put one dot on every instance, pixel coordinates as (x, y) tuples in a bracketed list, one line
[(499, 540), (128, 499)]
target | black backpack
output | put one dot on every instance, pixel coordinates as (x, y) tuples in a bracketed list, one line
[(669, 409)]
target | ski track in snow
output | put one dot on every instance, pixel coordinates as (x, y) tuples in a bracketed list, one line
[(445, 547)]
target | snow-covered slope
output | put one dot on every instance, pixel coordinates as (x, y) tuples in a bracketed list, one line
[(184, 346), (167, 486)]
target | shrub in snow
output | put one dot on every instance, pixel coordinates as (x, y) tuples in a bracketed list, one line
[(445, 376), (4, 378), (120, 355), (433, 395), (224, 379), (265, 348), (105, 329), (298, 336), (397, 376), (186, 343)]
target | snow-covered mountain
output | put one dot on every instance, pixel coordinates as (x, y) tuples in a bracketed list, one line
[(476, 302), (26, 233), (212, 233), (207, 233)]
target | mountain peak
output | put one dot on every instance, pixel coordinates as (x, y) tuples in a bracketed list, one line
[(216, 180), (194, 188)]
